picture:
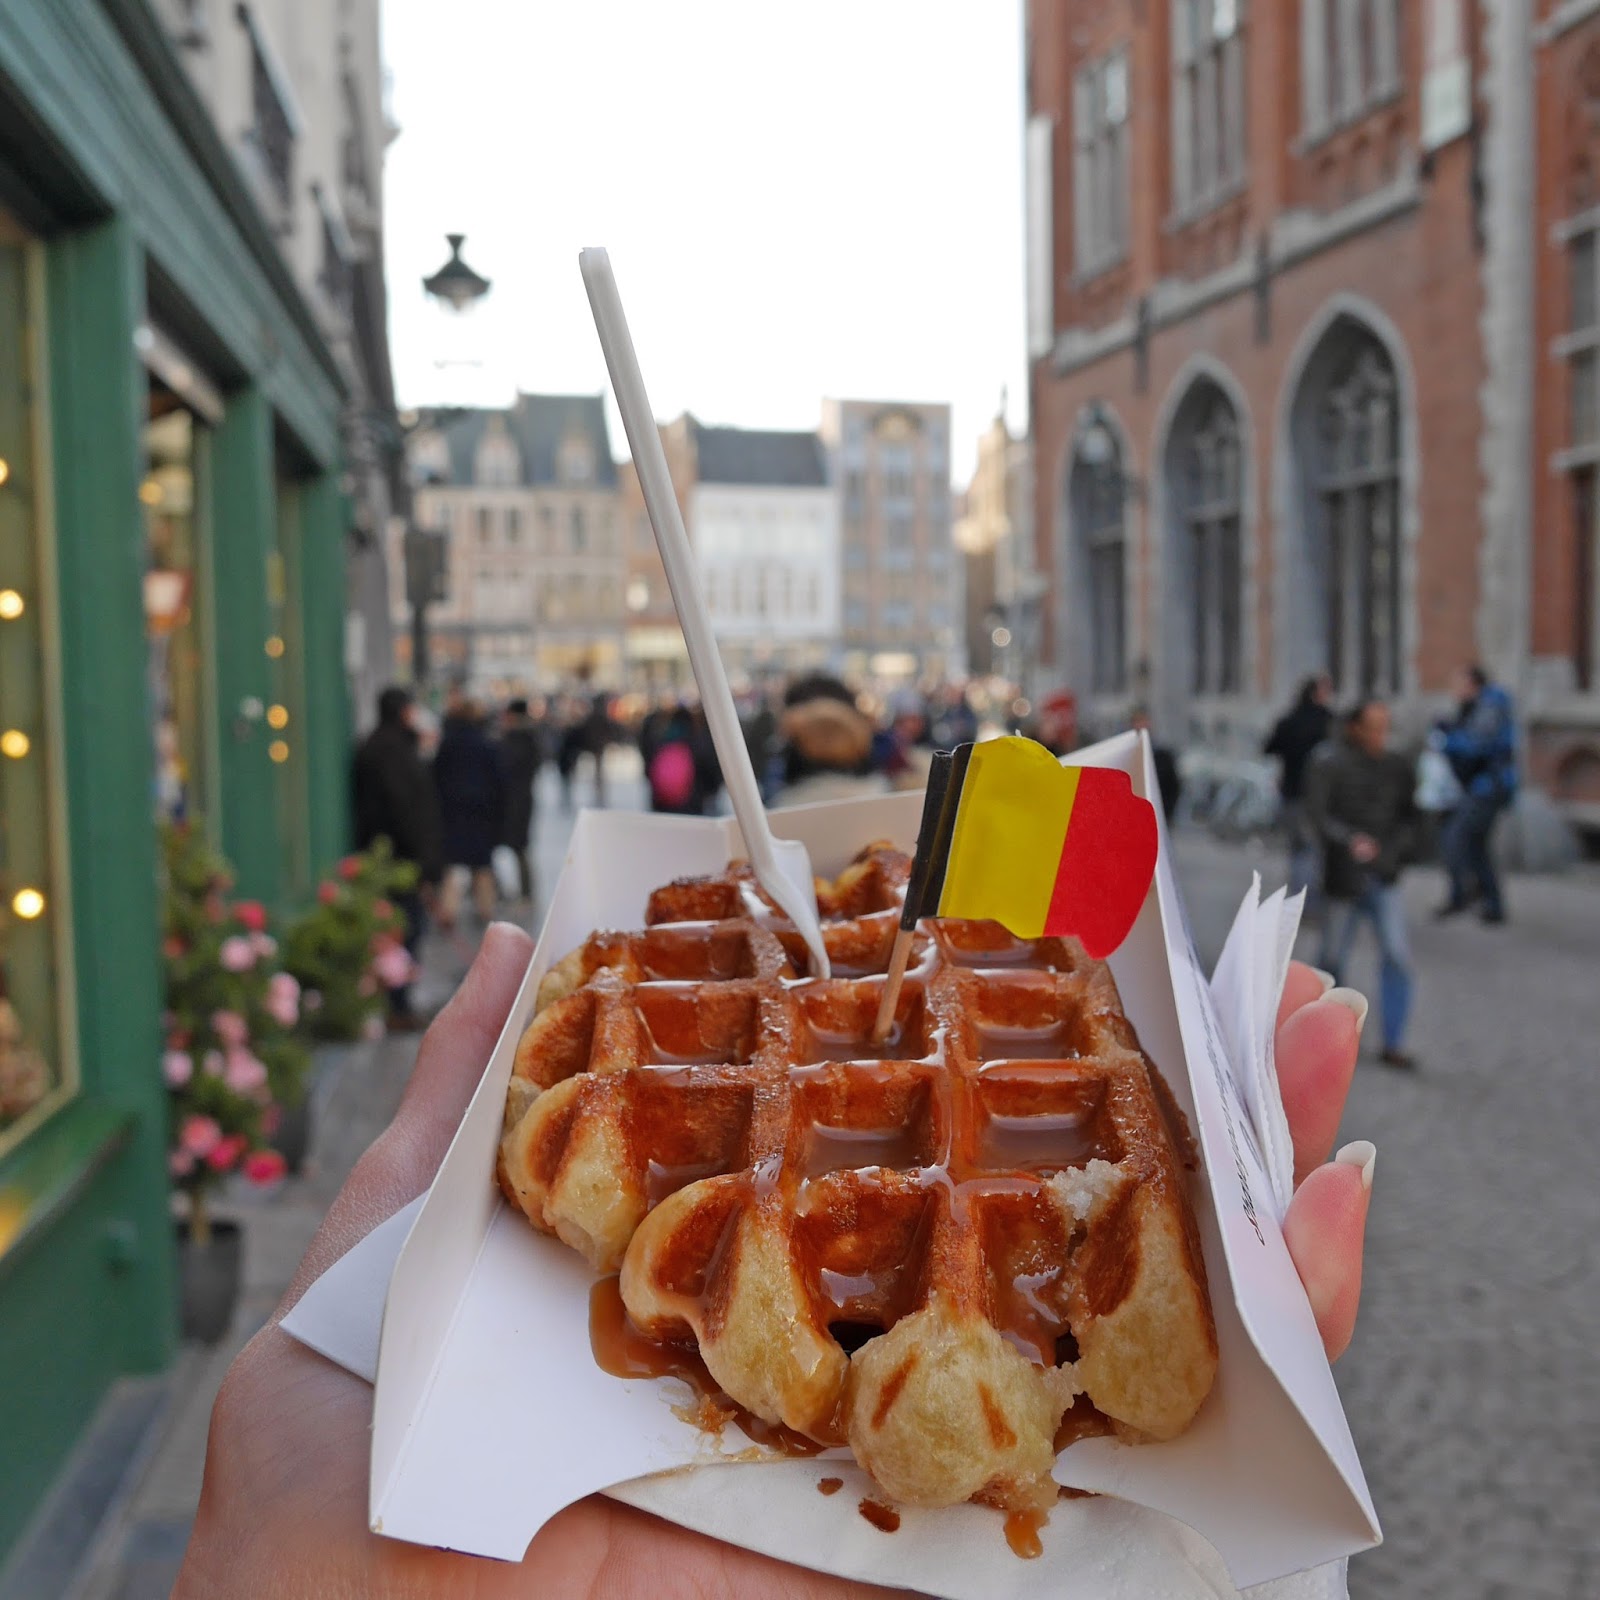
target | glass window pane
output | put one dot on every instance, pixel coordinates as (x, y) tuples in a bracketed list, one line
[(1581, 256), (1585, 414), (36, 1071)]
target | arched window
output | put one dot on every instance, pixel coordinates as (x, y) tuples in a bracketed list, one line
[(1212, 480), (1342, 570), (1096, 507)]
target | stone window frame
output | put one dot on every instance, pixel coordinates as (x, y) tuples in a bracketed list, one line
[(1208, 143), (1578, 461), (1102, 136), (1346, 32)]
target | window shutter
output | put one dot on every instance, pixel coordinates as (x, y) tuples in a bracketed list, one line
[(1182, 112), (1385, 46), (1233, 109), (1352, 75)]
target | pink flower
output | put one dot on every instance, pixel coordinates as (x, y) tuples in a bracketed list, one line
[(245, 1072), (199, 1135), (264, 945), (349, 868), (328, 893), (180, 1163), (177, 1067), (373, 1028), (394, 967), (383, 910), (312, 1000), (172, 947), (224, 1155), (282, 1000), (230, 1028), (251, 915), (237, 954), (264, 1166), (211, 1063), (271, 1118)]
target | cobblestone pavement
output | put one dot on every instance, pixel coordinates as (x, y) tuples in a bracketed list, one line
[(1471, 1385)]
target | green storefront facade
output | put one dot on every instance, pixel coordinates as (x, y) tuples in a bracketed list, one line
[(142, 298)]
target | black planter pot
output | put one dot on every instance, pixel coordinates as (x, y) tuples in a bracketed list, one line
[(293, 1136), (208, 1277)]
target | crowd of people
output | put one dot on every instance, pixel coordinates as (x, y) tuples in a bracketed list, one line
[(1353, 821)]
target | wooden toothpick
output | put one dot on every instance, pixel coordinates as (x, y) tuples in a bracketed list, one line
[(893, 981)]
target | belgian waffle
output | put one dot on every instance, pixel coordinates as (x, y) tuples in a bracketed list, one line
[(932, 1248)]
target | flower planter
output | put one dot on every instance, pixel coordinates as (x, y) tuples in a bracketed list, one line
[(292, 1138), (208, 1277)]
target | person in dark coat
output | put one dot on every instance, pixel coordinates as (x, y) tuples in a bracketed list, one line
[(1361, 802), (395, 800), (472, 798), (521, 753), (680, 761), (1294, 739), (1168, 779), (1480, 743)]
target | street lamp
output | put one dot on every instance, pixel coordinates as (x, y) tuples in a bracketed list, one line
[(455, 283), (458, 288)]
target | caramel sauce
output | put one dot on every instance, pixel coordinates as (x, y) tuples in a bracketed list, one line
[(623, 1351), (1052, 1042), (829, 1485), (1081, 1421), (884, 1518), (849, 1149), (1022, 1533)]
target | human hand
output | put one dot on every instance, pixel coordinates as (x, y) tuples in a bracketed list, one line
[(1363, 848), (283, 1508)]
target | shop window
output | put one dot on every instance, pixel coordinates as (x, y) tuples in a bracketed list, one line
[(37, 1063)]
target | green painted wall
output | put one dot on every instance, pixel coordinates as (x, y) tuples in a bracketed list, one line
[(326, 727), (91, 1293)]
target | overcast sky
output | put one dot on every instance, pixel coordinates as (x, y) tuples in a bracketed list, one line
[(799, 201)]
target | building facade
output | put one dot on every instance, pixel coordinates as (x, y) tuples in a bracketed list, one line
[(1000, 590), (1284, 263), (174, 527), (653, 648), (890, 462), (537, 558), (763, 520)]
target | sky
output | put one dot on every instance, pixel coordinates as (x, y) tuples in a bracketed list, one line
[(798, 201)]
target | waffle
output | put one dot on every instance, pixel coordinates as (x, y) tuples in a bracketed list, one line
[(933, 1249)]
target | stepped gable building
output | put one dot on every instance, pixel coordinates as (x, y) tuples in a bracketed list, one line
[(764, 522), (1313, 337), (890, 461), (528, 498)]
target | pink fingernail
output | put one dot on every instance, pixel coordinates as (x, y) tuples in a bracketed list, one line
[(1361, 1153), (1353, 1001)]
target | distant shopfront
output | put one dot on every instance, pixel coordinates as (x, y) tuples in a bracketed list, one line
[(172, 556)]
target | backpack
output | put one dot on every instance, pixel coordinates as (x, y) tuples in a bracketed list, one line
[(671, 776)]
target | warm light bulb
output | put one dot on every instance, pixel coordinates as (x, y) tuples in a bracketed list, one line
[(5, 470), (150, 492), (14, 743), (278, 750), (12, 605), (274, 647), (28, 904), (277, 716)]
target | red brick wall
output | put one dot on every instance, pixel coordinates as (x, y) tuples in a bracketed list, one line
[(1419, 269)]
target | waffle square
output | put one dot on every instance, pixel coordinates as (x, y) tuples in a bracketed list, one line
[(933, 1249)]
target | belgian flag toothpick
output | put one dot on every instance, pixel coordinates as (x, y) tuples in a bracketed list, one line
[(1010, 835)]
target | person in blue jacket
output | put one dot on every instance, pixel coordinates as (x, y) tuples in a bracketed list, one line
[(1481, 746)]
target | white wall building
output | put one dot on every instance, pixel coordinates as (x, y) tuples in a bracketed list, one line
[(764, 522)]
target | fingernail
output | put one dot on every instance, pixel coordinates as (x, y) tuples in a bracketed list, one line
[(1361, 1153), (1353, 1001), (1326, 979)]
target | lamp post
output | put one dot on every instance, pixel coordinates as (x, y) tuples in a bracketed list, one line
[(458, 288)]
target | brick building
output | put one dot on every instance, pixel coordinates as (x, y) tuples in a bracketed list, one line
[(1310, 384)]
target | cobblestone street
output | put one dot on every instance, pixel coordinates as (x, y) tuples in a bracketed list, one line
[(1471, 1385)]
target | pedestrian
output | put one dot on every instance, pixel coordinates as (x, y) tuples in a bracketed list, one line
[(1169, 781), (680, 763), (395, 800), (1360, 804), (472, 791), (598, 731), (521, 753), (827, 746), (1481, 746), (1294, 739)]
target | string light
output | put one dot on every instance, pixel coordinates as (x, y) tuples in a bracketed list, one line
[(12, 605), (275, 647), (277, 716), (278, 750), (14, 743), (28, 904), (150, 492)]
